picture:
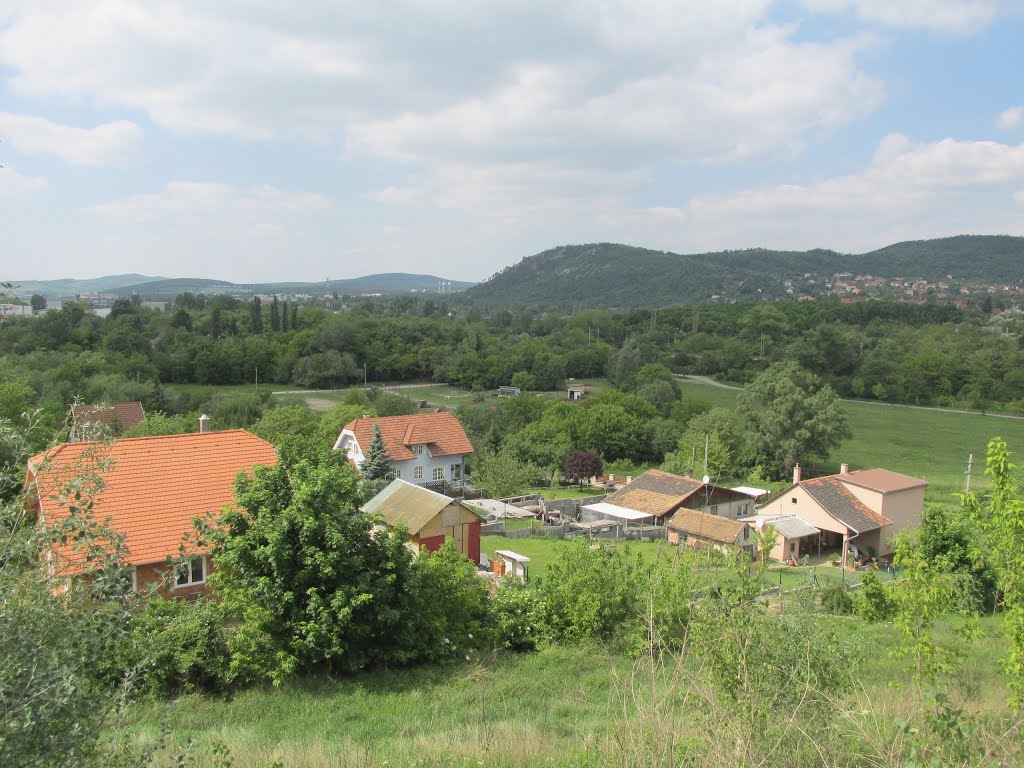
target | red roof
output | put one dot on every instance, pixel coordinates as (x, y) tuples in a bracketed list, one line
[(882, 480), (153, 487), (126, 414), (440, 432)]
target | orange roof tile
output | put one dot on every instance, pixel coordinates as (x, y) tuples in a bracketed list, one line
[(440, 432), (126, 414), (153, 487)]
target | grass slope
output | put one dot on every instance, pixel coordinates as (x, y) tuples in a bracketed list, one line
[(559, 707)]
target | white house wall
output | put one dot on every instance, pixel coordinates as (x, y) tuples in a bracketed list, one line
[(347, 442)]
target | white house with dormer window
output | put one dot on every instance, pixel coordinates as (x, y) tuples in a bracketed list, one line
[(423, 448)]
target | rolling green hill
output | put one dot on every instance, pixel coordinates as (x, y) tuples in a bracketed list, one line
[(160, 288), (613, 275)]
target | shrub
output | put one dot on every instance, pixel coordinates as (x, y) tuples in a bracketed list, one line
[(591, 593), (518, 615), (450, 605), (835, 598), (179, 647), (873, 601)]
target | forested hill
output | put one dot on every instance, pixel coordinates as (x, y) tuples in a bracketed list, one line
[(613, 275)]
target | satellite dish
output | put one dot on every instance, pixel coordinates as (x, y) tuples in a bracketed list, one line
[(705, 479)]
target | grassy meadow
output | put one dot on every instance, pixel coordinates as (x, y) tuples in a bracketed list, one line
[(562, 706), (933, 445)]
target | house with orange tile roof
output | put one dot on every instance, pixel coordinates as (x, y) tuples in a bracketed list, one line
[(117, 416), (864, 509), (149, 490), (423, 448)]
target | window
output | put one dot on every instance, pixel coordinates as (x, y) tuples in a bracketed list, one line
[(417, 449), (417, 473), (714, 510), (191, 572), (396, 475), (438, 473), (793, 500), (456, 471)]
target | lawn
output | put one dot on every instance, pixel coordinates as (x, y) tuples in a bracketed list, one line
[(932, 445), (570, 492)]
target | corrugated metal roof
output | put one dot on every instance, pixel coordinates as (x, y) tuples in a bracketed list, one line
[(793, 527), (408, 505), (619, 513)]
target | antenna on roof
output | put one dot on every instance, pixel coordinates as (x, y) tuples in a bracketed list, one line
[(705, 479)]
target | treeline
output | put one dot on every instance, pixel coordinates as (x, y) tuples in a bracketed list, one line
[(904, 353)]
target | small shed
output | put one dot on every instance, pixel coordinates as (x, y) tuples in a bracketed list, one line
[(700, 530), (509, 563), (509, 391), (577, 391), (429, 518)]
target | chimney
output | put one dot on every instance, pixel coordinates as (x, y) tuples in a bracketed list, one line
[(844, 469), (204, 423), (797, 474), (366, 415), (629, 479)]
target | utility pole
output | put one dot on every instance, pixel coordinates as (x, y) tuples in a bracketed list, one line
[(707, 440), (970, 467), (364, 374), (257, 378)]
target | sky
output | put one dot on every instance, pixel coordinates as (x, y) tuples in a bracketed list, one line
[(247, 140)]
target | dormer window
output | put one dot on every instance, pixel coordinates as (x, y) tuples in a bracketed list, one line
[(418, 449)]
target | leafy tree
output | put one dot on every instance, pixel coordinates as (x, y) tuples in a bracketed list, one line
[(502, 474), (310, 583), (292, 430), (525, 380), (377, 464), (38, 302), (393, 404), (999, 513), (788, 415), (609, 430), (581, 465)]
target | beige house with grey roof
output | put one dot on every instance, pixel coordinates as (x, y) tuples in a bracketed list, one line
[(866, 508)]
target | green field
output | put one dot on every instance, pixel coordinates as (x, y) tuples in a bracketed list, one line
[(932, 445), (563, 706)]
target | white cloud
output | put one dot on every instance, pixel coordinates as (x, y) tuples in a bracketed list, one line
[(116, 143), (950, 16), (15, 185), (909, 190), (1011, 118), (184, 200)]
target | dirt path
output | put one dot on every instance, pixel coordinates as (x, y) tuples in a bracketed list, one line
[(708, 380), (318, 404)]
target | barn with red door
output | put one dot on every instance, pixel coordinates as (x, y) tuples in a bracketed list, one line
[(428, 518)]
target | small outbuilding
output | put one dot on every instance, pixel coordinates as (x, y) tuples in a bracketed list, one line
[(577, 391), (429, 518), (700, 530), (509, 563), (509, 391)]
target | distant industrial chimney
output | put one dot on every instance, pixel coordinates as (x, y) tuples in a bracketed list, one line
[(844, 469), (204, 423), (797, 474)]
